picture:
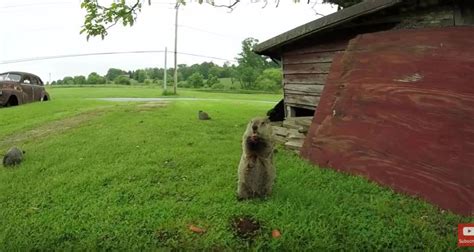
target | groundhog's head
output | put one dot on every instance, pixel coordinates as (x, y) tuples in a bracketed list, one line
[(259, 133)]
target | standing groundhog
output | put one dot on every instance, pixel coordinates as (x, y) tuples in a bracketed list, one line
[(13, 157), (256, 168), (203, 115)]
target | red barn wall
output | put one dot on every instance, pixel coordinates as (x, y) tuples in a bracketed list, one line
[(398, 108)]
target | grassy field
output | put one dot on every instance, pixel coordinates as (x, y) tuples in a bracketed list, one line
[(104, 175)]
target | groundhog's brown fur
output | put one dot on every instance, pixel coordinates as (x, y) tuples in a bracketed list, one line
[(203, 115), (256, 168), (13, 157)]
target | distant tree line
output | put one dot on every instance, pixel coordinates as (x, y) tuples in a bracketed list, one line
[(252, 72)]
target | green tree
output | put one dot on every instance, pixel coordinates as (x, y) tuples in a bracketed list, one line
[(247, 58), (141, 76), (122, 80), (68, 80), (270, 80), (80, 80), (226, 70), (153, 73), (113, 73), (196, 80), (95, 78), (211, 80), (215, 71), (251, 65), (247, 76), (185, 71), (234, 74)]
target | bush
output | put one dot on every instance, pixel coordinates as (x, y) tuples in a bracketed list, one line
[(184, 84), (148, 82), (270, 80), (212, 80), (218, 86), (122, 79), (196, 80)]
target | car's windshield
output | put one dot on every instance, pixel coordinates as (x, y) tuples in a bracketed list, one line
[(10, 77)]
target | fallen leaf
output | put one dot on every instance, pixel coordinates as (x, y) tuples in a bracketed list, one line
[(196, 230), (276, 233)]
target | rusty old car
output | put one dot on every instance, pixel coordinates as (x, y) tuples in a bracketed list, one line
[(19, 87)]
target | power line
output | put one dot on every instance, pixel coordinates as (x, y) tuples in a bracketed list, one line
[(209, 32), (104, 53), (64, 3), (34, 4)]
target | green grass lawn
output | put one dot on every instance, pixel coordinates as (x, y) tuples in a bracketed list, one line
[(153, 91), (104, 175)]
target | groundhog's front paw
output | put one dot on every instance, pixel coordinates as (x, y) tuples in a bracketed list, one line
[(240, 198)]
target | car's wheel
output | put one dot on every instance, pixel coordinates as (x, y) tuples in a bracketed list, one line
[(12, 101)]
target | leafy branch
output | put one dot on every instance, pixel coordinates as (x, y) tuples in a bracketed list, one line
[(99, 18)]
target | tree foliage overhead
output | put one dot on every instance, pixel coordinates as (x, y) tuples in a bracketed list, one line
[(100, 18)]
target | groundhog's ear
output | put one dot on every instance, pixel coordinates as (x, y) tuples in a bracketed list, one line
[(267, 119)]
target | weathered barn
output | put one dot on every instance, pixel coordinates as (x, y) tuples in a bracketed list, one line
[(390, 85)]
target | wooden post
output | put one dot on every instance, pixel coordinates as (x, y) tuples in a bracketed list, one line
[(165, 75), (176, 49)]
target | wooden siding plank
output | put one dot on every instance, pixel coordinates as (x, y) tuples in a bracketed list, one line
[(330, 46), (312, 107), (302, 93), (307, 100), (322, 57), (403, 118), (305, 78), (304, 88), (313, 68)]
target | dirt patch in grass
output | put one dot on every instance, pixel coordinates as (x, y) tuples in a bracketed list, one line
[(245, 227), (75, 121), (50, 128)]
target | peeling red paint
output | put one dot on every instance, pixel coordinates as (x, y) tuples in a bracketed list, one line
[(398, 108)]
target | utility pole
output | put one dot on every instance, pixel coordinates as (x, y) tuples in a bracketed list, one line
[(176, 49), (165, 75)]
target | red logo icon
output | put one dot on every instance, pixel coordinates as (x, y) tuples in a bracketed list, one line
[(466, 235)]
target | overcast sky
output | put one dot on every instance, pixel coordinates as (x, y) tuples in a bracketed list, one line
[(37, 28)]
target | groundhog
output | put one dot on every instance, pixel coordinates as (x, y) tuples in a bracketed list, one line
[(13, 157), (203, 115), (256, 169)]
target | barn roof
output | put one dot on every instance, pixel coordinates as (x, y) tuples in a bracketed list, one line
[(324, 23)]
